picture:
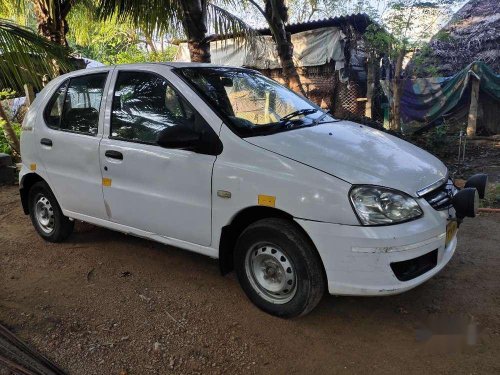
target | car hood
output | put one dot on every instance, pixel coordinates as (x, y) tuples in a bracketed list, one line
[(357, 154)]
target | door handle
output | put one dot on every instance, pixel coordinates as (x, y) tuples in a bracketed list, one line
[(46, 142), (113, 154)]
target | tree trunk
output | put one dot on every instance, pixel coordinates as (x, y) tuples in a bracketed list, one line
[(149, 42), (10, 134), (195, 27), (276, 14), (51, 19), (396, 92)]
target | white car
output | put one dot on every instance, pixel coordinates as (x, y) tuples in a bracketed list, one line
[(228, 163)]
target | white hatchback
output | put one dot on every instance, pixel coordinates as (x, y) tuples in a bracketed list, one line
[(228, 163)]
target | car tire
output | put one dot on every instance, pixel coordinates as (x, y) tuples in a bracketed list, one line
[(279, 268), (46, 214)]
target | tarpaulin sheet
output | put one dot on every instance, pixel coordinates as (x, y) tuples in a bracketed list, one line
[(310, 48), (425, 100)]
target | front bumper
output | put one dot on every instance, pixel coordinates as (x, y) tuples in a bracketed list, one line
[(358, 259)]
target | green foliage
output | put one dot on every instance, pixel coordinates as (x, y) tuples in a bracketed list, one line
[(443, 36), (409, 22), (4, 145), (378, 40), (111, 55), (424, 64), (437, 137), (114, 42), (19, 12), (7, 94), (170, 16)]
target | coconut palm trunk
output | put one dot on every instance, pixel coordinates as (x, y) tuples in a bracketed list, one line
[(195, 26), (276, 14), (51, 19)]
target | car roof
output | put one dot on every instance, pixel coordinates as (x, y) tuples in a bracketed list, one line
[(172, 64), (143, 65), (177, 64)]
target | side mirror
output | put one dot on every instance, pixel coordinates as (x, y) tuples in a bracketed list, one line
[(178, 136), (226, 82)]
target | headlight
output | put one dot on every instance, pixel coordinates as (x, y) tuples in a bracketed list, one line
[(376, 205)]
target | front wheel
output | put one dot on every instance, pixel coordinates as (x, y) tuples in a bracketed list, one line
[(46, 214), (278, 268)]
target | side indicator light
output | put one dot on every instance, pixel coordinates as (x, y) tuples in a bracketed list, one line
[(33, 167), (224, 194), (267, 200), (106, 182)]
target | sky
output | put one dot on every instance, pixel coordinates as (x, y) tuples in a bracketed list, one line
[(256, 20)]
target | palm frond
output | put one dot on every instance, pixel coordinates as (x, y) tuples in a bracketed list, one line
[(224, 23), (165, 16), (154, 16), (25, 57)]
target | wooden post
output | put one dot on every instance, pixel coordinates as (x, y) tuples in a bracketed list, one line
[(370, 87), (30, 94), (474, 104), (395, 119)]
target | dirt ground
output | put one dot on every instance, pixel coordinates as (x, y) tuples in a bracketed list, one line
[(107, 303)]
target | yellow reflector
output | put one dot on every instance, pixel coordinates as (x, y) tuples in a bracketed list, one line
[(106, 181), (33, 167), (267, 200)]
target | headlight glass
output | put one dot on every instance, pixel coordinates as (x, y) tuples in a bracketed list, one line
[(376, 205)]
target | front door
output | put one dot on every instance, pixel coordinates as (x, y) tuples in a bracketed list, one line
[(147, 187)]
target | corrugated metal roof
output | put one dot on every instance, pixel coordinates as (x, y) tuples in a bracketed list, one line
[(359, 21)]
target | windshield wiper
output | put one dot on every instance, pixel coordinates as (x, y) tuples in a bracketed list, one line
[(303, 111), (317, 120)]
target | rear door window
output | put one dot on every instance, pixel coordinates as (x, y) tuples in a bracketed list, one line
[(82, 104), (76, 104), (53, 111)]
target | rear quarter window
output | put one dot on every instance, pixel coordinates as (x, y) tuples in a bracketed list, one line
[(54, 109)]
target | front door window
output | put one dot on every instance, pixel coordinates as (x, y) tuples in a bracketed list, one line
[(143, 105)]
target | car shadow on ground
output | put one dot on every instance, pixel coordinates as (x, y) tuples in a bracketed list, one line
[(340, 307)]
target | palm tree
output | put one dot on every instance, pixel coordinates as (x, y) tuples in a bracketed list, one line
[(276, 14), (50, 15), (167, 16), (25, 57)]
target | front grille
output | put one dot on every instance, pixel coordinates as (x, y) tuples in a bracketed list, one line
[(409, 269), (440, 198)]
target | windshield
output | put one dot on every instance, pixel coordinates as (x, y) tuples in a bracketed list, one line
[(252, 103)]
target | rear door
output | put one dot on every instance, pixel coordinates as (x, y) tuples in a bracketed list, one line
[(147, 187), (68, 142)]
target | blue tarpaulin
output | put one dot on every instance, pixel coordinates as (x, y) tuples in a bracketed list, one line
[(426, 100)]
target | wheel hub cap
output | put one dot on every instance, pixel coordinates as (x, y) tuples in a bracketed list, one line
[(271, 273), (44, 214)]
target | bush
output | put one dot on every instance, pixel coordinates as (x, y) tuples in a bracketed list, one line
[(4, 145)]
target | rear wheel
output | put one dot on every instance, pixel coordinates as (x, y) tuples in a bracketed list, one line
[(278, 268), (46, 214)]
